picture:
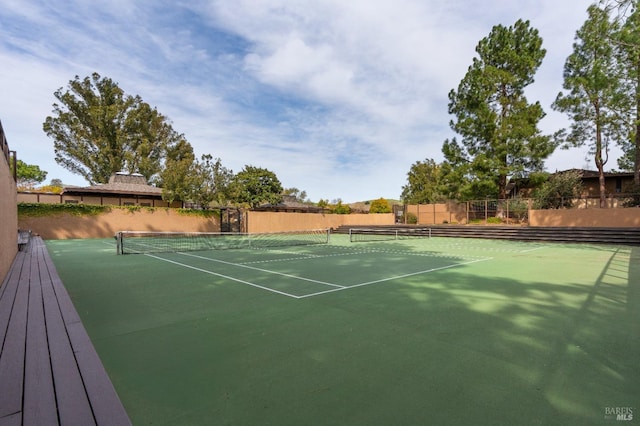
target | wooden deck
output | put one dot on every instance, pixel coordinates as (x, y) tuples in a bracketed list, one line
[(50, 372)]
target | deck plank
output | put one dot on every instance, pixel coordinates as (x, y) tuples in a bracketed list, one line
[(39, 406), (14, 301), (12, 420), (73, 405), (50, 372), (8, 290), (105, 403)]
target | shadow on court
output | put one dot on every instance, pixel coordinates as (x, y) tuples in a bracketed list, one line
[(548, 337)]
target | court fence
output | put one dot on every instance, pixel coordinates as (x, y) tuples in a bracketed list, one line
[(470, 212), (621, 211)]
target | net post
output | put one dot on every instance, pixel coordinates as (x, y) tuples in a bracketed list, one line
[(118, 238)]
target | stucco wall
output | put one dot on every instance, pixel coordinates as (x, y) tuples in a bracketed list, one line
[(439, 213), (605, 218), (104, 225), (8, 218), (258, 222)]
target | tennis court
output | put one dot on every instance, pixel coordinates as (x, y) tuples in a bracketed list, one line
[(416, 331)]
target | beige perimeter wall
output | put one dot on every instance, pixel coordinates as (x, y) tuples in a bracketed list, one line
[(258, 222), (8, 218), (605, 218), (105, 225)]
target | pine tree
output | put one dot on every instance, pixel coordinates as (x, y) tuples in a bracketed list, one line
[(498, 127), (592, 99)]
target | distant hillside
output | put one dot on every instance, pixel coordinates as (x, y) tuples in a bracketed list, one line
[(363, 206)]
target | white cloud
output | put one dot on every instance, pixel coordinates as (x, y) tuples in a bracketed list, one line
[(338, 98)]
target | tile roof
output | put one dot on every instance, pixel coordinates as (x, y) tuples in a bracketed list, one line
[(119, 183)]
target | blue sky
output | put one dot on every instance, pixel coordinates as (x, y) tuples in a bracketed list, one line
[(338, 98)]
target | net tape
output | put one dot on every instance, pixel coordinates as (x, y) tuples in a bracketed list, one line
[(386, 234), (140, 242)]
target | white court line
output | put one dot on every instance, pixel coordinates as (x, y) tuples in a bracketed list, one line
[(395, 278), (224, 276), (339, 288), (262, 270), (533, 249)]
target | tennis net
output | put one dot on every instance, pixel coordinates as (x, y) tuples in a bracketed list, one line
[(140, 242), (386, 234)]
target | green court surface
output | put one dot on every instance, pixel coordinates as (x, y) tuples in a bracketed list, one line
[(437, 331)]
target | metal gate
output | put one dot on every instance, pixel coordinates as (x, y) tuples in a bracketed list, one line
[(399, 213), (230, 220)]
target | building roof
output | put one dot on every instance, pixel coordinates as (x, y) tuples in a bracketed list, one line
[(586, 174), (119, 184)]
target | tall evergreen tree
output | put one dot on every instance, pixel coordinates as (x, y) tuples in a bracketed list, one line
[(497, 125), (593, 97), (627, 41)]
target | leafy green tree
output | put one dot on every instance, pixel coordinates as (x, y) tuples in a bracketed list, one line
[(559, 191), (497, 125), (29, 175), (147, 136), (176, 179), (298, 195), (99, 130), (255, 186), (423, 183), (380, 205), (593, 99), (211, 182)]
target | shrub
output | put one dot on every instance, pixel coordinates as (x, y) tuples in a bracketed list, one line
[(340, 208), (518, 209), (559, 191), (43, 209), (380, 206), (633, 192), (200, 212)]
